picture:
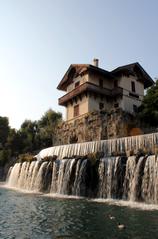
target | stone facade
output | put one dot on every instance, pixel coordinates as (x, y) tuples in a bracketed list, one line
[(96, 125)]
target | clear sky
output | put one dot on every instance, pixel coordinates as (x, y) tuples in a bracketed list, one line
[(39, 39)]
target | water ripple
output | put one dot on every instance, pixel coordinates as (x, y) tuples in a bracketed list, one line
[(31, 216)]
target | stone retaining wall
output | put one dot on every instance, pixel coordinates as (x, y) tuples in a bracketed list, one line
[(95, 126)]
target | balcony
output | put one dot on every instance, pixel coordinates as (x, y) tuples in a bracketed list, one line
[(89, 87), (117, 91)]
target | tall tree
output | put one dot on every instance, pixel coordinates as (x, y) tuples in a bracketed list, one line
[(27, 132), (4, 130), (47, 126), (14, 142), (50, 118), (32, 136), (148, 111)]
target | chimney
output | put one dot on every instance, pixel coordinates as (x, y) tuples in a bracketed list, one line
[(96, 62)]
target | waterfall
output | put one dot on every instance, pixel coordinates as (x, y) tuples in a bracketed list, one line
[(149, 187), (28, 176), (135, 191), (108, 147), (14, 175), (39, 180), (133, 178), (111, 177), (69, 177), (8, 174)]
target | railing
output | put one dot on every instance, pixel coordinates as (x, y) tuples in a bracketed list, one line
[(89, 87)]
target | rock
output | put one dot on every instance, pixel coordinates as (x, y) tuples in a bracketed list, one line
[(96, 125)]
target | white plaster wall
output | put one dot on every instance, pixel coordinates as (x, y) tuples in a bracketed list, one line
[(107, 83), (82, 80), (94, 103), (127, 101), (83, 108), (125, 83)]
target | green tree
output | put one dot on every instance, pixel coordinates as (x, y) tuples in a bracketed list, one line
[(47, 126), (5, 155), (4, 130), (50, 118), (14, 142), (32, 136), (148, 111), (27, 133)]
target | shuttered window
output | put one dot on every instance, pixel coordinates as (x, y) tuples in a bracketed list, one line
[(76, 110)]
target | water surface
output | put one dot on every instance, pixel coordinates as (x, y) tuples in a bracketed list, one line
[(31, 216)]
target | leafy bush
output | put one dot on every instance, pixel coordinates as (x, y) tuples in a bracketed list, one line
[(26, 158)]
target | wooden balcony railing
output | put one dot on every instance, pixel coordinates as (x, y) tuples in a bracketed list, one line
[(89, 87)]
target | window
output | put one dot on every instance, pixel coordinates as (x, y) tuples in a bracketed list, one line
[(133, 86), (135, 108), (77, 84), (115, 83), (76, 110), (101, 105), (116, 105), (101, 83)]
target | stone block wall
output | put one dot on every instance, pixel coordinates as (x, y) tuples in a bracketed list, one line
[(96, 125)]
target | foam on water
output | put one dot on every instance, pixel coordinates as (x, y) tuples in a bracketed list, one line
[(123, 203), (57, 195)]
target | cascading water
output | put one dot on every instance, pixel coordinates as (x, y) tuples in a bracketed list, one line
[(132, 178), (108, 147), (111, 177)]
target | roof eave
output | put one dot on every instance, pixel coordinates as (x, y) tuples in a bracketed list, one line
[(148, 80), (60, 85), (64, 82)]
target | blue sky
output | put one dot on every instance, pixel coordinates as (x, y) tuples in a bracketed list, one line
[(39, 39)]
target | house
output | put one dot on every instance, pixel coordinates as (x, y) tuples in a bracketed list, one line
[(90, 88)]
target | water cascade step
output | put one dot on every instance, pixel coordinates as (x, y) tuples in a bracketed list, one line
[(125, 177), (108, 147)]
